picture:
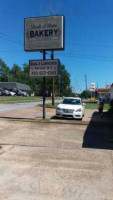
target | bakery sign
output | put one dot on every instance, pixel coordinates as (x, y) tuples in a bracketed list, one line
[(44, 33)]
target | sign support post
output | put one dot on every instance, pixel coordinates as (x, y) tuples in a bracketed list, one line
[(44, 92), (44, 34), (53, 93)]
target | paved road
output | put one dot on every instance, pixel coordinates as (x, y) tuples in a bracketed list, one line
[(8, 107), (55, 162)]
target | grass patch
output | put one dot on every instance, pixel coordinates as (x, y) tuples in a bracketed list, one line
[(49, 105), (87, 106), (95, 106), (18, 99), (47, 120)]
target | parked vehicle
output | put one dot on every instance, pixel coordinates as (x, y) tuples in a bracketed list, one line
[(9, 92), (21, 93), (18, 93), (5, 92), (12, 93), (71, 107), (25, 94)]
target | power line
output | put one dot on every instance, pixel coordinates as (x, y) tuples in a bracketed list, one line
[(91, 45), (10, 51), (9, 36), (11, 40), (92, 57)]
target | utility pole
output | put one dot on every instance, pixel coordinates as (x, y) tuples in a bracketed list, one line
[(86, 81), (44, 92), (53, 93), (86, 84)]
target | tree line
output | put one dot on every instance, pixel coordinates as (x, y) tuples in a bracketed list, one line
[(62, 83)]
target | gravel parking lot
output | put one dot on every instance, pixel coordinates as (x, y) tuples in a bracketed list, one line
[(49, 161)]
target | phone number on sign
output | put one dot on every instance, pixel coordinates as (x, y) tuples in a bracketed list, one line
[(43, 73)]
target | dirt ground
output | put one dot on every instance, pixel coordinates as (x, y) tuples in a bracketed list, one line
[(54, 161), (36, 113)]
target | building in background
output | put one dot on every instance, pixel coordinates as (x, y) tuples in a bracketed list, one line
[(14, 86), (110, 89), (105, 93)]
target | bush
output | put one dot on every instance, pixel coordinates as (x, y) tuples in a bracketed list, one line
[(111, 103), (111, 107)]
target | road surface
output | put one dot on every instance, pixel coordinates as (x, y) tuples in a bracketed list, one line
[(14, 106)]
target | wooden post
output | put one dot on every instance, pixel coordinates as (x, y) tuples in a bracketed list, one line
[(53, 93), (44, 92)]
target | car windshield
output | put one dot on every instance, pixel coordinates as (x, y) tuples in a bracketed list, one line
[(71, 101)]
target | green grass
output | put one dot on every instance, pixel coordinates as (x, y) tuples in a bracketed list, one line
[(95, 106), (18, 99), (49, 105)]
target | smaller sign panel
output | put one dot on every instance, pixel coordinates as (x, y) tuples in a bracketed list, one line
[(44, 68)]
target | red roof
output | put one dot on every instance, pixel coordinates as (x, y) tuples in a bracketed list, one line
[(104, 90)]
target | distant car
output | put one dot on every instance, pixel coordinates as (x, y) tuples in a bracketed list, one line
[(18, 93), (5, 92), (25, 94), (21, 93), (71, 107), (12, 93)]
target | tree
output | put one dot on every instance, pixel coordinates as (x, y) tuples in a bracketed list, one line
[(15, 73), (85, 94), (64, 82), (18, 74), (61, 83), (4, 71)]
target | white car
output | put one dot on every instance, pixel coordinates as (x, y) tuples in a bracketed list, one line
[(71, 107), (12, 93)]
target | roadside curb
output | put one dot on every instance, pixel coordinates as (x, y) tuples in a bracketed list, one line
[(53, 121)]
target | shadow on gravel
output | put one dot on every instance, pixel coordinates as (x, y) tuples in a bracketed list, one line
[(5, 117), (99, 133)]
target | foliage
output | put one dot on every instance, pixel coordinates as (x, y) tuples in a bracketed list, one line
[(111, 107), (4, 71), (17, 74), (85, 94)]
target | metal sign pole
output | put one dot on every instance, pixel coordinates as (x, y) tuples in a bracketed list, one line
[(53, 93), (44, 80)]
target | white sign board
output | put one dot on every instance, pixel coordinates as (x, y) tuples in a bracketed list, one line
[(44, 33), (43, 68), (92, 85)]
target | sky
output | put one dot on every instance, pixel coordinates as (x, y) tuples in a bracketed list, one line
[(88, 54)]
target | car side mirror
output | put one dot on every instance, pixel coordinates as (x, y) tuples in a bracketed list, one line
[(84, 104)]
